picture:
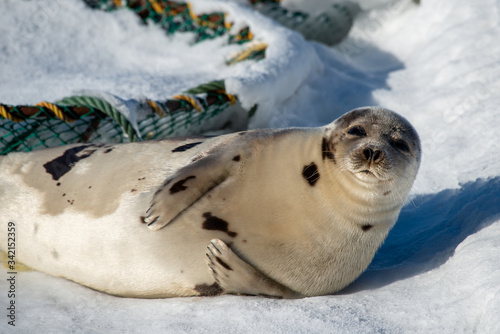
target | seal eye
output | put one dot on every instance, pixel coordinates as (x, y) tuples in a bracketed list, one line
[(357, 131), (400, 145)]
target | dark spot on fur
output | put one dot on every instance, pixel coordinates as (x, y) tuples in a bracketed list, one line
[(133, 190), (58, 184), (141, 219), (182, 271), (242, 133), (186, 147), (327, 150), (90, 187), (141, 179), (366, 227), (64, 194), (224, 264), (216, 224), (108, 150), (208, 290), (179, 185), (236, 158), (387, 192), (310, 173), (244, 240), (63, 164)]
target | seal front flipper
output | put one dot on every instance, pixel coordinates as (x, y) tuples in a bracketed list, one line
[(238, 277), (185, 187)]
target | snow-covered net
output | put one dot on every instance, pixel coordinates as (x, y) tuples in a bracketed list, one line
[(92, 118)]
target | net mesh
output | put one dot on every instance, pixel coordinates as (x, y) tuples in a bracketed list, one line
[(81, 119)]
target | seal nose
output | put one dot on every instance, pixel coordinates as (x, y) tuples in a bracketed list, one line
[(372, 154)]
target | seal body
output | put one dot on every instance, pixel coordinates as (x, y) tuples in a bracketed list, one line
[(287, 213)]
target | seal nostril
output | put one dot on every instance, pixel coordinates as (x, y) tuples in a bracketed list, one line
[(368, 153), (372, 155)]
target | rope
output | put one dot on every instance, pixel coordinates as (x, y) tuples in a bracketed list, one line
[(156, 108), (217, 87), (191, 99), (56, 110), (106, 108), (156, 6), (232, 99), (10, 116), (190, 12), (255, 50), (208, 87)]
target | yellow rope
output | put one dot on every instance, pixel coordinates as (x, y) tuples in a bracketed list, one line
[(250, 35), (191, 100), (190, 11), (244, 54), (55, 109), (155, 108), (118, 3), (156, 6), (232, 98), (8, 115)]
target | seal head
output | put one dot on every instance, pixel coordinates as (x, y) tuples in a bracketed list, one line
[(374, 147)]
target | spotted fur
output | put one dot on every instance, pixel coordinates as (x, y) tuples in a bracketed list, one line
[(311, 173), (366, 227), (216, 224), (186, 147), (327, 151), (179, 185), (61, 165), (208, 290)]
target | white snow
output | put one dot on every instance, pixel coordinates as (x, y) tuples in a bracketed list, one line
[(438, 64)]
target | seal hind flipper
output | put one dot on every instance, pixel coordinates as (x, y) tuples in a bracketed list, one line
[(184, 188), (236, 276)]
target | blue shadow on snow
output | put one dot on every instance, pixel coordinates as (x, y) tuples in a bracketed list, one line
[(428, 231)]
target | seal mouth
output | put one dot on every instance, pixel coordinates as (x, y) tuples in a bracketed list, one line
[(367, 175)]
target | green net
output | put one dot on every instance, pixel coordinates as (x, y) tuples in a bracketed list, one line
[(174, 16), (80, 119), (40, 128)]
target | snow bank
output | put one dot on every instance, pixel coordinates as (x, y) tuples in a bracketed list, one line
[(437, 64)]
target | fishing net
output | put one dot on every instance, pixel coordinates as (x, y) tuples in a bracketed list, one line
[(85, 118)]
